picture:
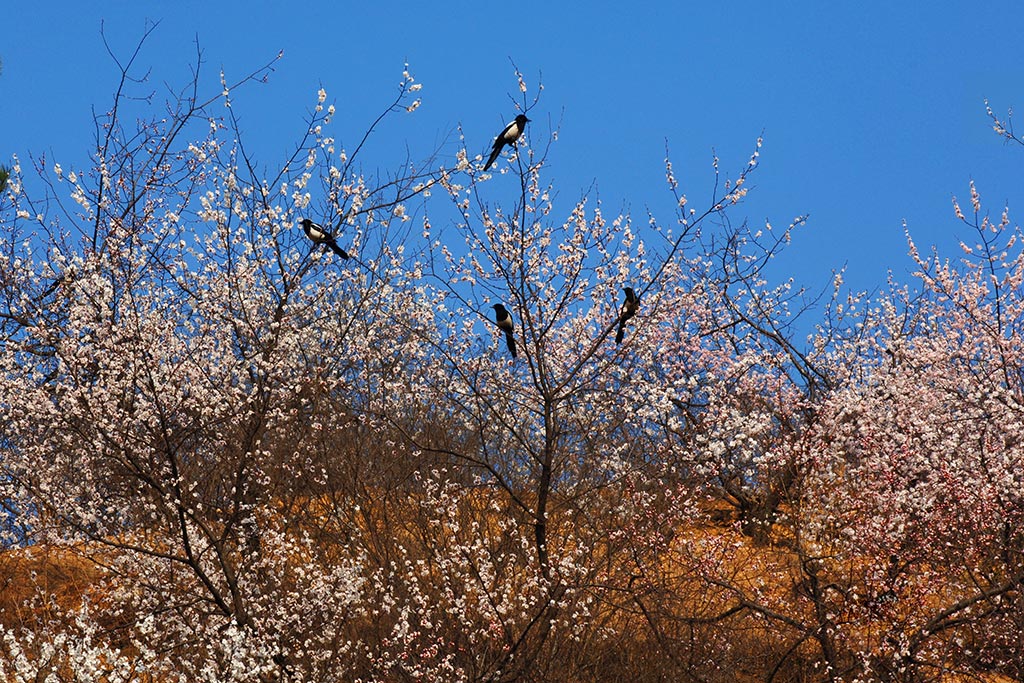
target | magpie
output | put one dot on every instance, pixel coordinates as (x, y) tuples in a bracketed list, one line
[(629, 309), (504, 320), (320, 235), (507, 137)]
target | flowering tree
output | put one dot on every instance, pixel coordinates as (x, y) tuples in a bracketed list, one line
[(920, 452), (174, 354), (573, 442), (894, 554)]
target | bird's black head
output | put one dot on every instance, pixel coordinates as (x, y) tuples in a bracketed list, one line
[(521, 119), (498, 307), (305, 223), (629, 292)]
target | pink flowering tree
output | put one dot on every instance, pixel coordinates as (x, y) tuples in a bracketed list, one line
[(897, 544), (918, 460)]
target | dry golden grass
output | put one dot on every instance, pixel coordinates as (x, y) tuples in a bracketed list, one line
[(42, 578), (677, 588)]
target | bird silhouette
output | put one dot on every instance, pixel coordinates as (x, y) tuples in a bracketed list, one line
[(507, 137), (629, 309), (321, 235), (504, 320)]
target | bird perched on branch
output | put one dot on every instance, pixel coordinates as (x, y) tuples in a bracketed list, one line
[(504, 320), (629, 309), (321, 235), (507, 137)]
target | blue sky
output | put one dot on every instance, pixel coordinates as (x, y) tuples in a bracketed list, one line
[(872, 112)]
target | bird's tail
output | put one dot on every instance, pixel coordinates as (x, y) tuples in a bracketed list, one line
[(510, 340), (338, 250), (494, 155), (622, 331)]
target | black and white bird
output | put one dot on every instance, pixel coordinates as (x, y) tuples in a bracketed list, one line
[(504, 320), (507, 137), (321, 235), (629, 309)]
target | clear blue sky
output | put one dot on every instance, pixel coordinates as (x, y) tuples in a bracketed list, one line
[(872, 111)]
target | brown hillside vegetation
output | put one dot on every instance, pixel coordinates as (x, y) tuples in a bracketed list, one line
[(709, 599)]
